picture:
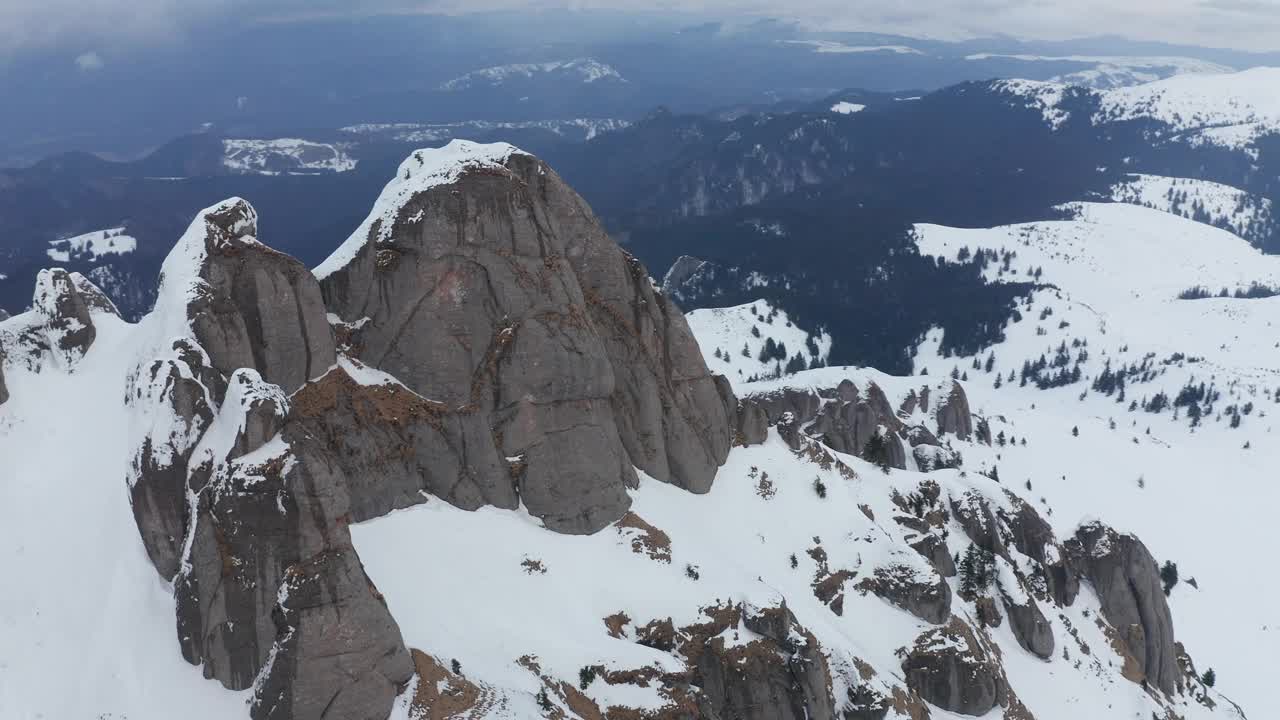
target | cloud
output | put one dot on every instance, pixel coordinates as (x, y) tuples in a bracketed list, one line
[(1240, 24), (89, 62)]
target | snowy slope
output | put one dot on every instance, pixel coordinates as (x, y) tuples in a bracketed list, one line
[(1110, 71), (1248, 216), (732, 340), (90, 632), (1223, 109), (92, 246), (1200, 495), (284, 155), (586, 70)]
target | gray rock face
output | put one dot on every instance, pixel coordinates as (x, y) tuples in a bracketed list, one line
[(65, 313), (974, 514), (846, 418), (260, 309), (781, 676), (499, 295), (182, 387), (1127, 581), (950, 667), (273, 595), (61, 324), (240, 498), (1033, 631), (337, 651), (954, 416), (934, 549), (4, 391), (753, 424), (392, 444), (1033, 537)]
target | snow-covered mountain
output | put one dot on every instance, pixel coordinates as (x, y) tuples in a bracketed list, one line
[(1141, 401), (1226, 110), (585, 70), (476, 465), (284, 155), (423, 133), (1114, 71)]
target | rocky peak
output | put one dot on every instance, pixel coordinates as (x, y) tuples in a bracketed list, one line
[(246, 304), (490, 287), (60, 326)]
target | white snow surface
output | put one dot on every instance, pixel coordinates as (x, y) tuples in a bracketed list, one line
[(729, 330), (1203, 496), (92, 246), (423, 170), (847, 108), (1244, 214), (88, 626), (586, 70), (285, 155), (1245, 103)]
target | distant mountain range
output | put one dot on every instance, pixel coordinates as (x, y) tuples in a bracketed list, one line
[(248, 81)]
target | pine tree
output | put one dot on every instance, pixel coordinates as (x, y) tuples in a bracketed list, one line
[(1075, 431), (1210, 677), (1169, 576)]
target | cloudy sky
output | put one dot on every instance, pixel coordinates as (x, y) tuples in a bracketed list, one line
[(1238, 24)]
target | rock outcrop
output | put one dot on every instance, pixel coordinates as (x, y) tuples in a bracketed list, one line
[(253, 307), (4, 390), (860, 420), (1030, 627), (240, 499), (1127, 582), (61, 324), (951, 667), (922, 593), (781, 674), (490, 288), (536, 365)]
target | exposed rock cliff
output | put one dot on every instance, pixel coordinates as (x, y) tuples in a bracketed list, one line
[(489, 287), (1127, 581)]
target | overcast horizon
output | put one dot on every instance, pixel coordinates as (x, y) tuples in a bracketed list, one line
[(85, 28)]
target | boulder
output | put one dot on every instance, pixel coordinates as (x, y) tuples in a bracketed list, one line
[(1127, 582), (491, 288)]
